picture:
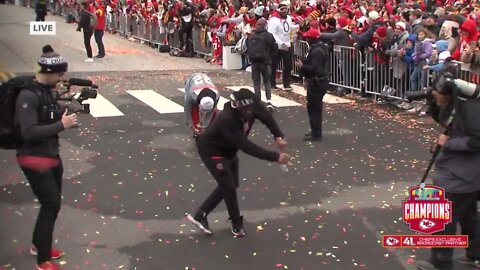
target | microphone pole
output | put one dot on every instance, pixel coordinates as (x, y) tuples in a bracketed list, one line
[(432, 160)]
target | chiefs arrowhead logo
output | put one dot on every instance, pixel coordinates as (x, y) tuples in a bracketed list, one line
[(426, 224), (392, 241)]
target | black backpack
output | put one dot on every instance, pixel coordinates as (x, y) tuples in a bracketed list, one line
[(9, 137), (256, 47)]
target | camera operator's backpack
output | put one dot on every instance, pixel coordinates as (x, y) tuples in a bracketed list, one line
[(9, 138), (93, 20), (256, 47)]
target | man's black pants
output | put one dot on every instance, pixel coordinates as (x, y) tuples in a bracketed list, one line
[(186, 39), (286, 56), (99, 40), (41, 14), (259, 71), (87, 36), (464, 211), (316, 90), (47, 187), (225, 172)]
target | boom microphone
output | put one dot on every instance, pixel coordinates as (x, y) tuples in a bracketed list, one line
[(81, 82)]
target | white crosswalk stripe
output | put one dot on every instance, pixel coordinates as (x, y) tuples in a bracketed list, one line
[(156, 101), (329, 99), (221, 101), (277, 101), (101, 107)]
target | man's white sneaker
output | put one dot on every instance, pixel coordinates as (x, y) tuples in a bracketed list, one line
[(269, 107), (89, 60)]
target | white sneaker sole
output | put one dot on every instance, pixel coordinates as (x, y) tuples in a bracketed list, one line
[(199, 225), (238, 235), (35, 253)]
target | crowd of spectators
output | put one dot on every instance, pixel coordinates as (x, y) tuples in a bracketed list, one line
[(406, 37)]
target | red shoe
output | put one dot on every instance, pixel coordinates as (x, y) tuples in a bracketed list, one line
[(48, 266), (55, 253)]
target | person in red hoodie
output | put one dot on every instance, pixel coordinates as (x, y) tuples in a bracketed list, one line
[(100, 12), (469, 35)]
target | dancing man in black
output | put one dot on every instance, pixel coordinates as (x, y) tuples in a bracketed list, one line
[(218, 147)]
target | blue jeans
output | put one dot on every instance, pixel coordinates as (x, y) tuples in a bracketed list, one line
[(418, 79), (99, 40)]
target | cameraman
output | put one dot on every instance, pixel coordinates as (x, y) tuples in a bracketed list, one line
[(39, 118), (457, 170)]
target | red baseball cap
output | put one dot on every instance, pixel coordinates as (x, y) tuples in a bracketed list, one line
[(312, 33)]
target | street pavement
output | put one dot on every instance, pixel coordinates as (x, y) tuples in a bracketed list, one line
[(132, 173)]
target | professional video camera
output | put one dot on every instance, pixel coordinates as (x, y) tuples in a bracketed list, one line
[(426, 93), (460, 88), (89, 91)]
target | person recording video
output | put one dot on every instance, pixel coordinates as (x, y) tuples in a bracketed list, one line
[(39, 119), (456, 107)]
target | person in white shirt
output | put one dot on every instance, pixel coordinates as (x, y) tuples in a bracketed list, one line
[(282, 29)]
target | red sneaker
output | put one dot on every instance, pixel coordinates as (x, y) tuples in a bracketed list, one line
[(55, 253), (48, 266)]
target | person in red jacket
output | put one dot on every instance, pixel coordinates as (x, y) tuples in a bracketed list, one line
[(469, 35), (100, 12)]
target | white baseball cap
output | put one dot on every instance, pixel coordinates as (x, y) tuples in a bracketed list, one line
[(206, 104), (373, 15), (444, 55)]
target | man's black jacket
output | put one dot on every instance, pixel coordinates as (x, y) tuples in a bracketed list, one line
[(228, 134), (84, 22), (38, 119), (316, 64)]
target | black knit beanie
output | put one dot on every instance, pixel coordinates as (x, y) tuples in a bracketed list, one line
[(51, 62), (243, 98)]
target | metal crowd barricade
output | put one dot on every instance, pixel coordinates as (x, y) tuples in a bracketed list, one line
[(55, 7), (173, 37), (393, 78), (66, 10), (132, 26), (111, 22), (153, 33), (463, 71), (122, 24), (142, 28), (300, 50), (346, 68), (201, 43)]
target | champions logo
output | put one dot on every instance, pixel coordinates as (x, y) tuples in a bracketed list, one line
[(426, 210)]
